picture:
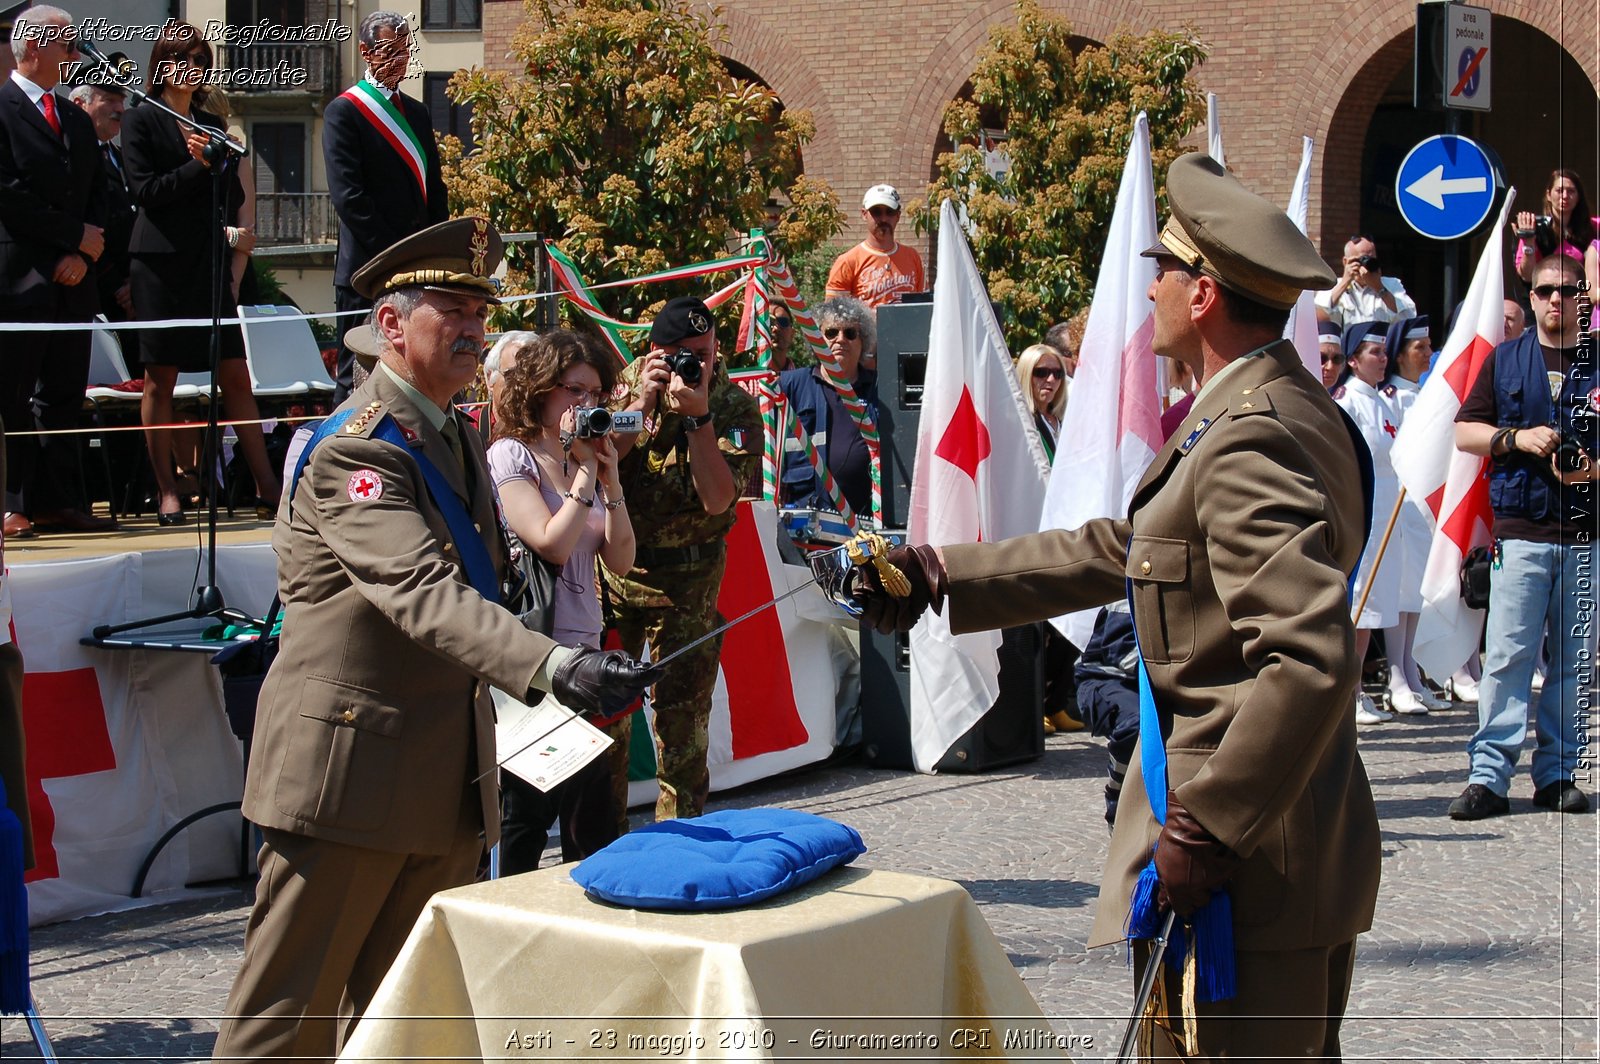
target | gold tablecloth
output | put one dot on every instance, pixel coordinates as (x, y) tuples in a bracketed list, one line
[(860, 965)]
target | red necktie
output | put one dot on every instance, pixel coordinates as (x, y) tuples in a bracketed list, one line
[(50, 112)]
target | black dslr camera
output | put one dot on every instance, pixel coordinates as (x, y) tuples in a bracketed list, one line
[(1369, 263), (1544, 235), (685, 364), (1570, 456)]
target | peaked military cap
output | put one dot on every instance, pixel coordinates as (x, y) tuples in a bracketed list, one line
[(1227, 232), (459, 255)]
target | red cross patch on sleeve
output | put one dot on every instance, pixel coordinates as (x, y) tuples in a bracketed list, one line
[(364, 485)]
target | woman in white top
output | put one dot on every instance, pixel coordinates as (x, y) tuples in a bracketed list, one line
[(1409, 351), (561, 496), (1376, 417)]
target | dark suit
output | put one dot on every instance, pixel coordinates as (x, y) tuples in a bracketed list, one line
[(376, 197), (173, 238), (374, 727), (1243, 531), (50, 186), (111, 272)]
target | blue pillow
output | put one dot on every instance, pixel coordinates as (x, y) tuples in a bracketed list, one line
[(726, 859)]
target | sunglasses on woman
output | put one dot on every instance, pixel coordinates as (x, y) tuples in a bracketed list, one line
[(1046, 373), (850, 333)]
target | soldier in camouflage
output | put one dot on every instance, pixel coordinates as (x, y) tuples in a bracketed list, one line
[(681, 477)]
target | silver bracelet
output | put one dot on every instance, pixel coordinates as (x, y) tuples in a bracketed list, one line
[(613, 504)]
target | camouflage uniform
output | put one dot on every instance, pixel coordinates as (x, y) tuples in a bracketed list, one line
[(670, 597)]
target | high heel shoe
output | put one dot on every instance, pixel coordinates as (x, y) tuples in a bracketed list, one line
[(172, 520)]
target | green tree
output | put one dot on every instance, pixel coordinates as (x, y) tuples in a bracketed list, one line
[(1037, 231), (627, 140)]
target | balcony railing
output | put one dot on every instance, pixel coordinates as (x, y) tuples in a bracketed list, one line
[(295, 218), (279, 68)]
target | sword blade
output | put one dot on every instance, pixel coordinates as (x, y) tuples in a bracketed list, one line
[(746, 615)]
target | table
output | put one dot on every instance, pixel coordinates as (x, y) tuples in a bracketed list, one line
[(859, 965)]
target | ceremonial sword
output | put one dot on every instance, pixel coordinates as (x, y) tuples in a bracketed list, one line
[(1147, 985), (864, 548)]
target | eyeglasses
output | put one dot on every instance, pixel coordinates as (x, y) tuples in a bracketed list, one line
[(1565, 291), (582, 395), (883, 212), (197, 60), (782, 323), (1043, 372), (850, 333), (1333, 360)]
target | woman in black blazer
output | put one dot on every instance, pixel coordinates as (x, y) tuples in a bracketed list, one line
[(170, 268)]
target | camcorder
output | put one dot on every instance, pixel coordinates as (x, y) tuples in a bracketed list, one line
[(1544, 235), (1369, 263), (592, 422), (685, 365)]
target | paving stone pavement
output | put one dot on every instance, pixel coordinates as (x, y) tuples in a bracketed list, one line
[(1484, 946)]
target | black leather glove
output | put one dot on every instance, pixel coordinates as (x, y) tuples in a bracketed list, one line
[(1190, 861), (601, 682), (924, 571)]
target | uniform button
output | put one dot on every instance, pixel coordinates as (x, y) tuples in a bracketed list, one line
[(477, 527), (1144, 567), (449, 546), (349, 715), (1247, 391)]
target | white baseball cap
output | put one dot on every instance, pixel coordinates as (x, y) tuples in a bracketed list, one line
[(881, 196)]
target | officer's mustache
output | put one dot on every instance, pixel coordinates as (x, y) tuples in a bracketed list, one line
[(466, 347)]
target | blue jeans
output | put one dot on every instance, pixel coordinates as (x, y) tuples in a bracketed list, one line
[(1537, 587)]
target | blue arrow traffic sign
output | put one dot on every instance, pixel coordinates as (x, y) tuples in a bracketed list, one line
[(1445, 187)]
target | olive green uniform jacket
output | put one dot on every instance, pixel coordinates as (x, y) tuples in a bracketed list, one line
[(376, 716), (1244, 531)]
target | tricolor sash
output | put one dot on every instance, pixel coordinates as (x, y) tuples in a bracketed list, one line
[(374, 104)]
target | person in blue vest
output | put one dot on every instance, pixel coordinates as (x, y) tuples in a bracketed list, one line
[(383, 166), (848, 329), (373, 770), (1534, 410)]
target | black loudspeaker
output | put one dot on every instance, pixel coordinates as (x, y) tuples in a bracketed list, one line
[(902, 362), (1011, 731)]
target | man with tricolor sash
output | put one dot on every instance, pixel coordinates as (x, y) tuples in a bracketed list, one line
[(383, 166), (1246, 811)]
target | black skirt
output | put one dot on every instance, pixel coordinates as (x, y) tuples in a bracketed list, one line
[(176, 285)]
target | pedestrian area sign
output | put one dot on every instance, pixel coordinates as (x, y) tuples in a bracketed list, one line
[(1445, 187), (1466, 57)]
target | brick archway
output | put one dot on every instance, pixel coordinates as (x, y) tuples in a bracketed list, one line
[(949, 64), (761, 46), (1340, 95)]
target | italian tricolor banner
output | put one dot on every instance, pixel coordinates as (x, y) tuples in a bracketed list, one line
[(375, 104)]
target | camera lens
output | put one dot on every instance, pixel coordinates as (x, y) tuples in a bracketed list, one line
[(1369, 262), (685, 365), (590, 422)]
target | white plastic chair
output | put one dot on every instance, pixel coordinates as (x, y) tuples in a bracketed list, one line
[(284, 358)]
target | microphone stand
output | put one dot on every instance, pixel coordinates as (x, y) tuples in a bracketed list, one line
[(222, 153)]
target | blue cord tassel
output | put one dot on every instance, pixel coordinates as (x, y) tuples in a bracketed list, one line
[(1214, 962), (1144, 920), (14, 997)]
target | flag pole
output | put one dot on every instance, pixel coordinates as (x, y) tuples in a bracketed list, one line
[(1377, 560)]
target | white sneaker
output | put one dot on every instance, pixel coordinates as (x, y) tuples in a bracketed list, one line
[(1464, 689), (1405, 701), (1367, 713)]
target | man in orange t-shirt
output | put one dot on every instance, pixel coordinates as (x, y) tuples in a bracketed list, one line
[(878, 270)]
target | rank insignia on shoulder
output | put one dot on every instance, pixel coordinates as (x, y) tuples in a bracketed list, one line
[(413, 439), (1337, 393), (1194, 436), (1390, 390)]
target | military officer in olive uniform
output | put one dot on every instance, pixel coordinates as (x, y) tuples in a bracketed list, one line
[(681, 477), (1239, 545), (372, 773)]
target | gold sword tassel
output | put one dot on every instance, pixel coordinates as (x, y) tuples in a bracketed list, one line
[(869, 546)]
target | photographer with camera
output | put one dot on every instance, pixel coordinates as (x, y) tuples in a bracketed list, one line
[(556, 475), (1565, 227), (1364, 291), (700, 440), (1533, 411)]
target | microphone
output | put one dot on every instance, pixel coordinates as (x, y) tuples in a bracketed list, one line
[(124, 74)]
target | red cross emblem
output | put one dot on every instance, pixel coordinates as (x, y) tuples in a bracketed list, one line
[(1388, 427), (1594, 399), (65, 722), (364, 485)]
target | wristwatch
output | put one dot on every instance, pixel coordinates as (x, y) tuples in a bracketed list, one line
[(691, 422)]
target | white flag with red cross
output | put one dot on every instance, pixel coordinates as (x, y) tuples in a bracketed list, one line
[(1302, 327), (1112, 428), (978, 476), (1451, 483)]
